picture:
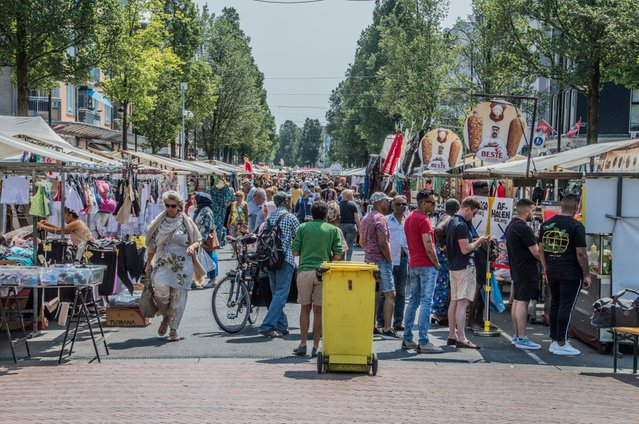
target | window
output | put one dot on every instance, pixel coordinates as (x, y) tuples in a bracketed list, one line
[(634, 111), (70, 99), (107, 114)]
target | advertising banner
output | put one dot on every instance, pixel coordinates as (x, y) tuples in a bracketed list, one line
[(494, 216), (441, 150), (494, 131)]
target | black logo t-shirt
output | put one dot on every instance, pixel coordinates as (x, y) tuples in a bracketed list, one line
[(561, 235)]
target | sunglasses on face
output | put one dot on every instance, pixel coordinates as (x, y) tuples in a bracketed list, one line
[(170, 206), (400, 204)]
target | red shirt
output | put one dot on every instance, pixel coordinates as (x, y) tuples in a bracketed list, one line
[(415, 226)]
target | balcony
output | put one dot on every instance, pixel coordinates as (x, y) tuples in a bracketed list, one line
[(39, 106), (87, 116)]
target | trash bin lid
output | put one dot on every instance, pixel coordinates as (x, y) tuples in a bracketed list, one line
[(349, 266)]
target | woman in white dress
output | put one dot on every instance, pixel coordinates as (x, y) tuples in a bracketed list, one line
[(172, 243)]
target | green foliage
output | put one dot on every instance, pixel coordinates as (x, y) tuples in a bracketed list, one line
[(580, 43), (241, 120), (50, 41), (310, 142), (289, 137)]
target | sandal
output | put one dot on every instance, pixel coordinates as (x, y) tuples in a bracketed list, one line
[(451, 342), (466, 345)]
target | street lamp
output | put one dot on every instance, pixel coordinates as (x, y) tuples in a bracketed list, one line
[(183, 87)]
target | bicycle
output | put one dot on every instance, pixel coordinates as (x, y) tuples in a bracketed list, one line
[(231, 300)]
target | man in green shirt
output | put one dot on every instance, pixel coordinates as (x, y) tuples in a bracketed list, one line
[(315, 242)]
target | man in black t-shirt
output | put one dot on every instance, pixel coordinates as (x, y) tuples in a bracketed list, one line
[(565, 261), (460, 247), (523, 256)]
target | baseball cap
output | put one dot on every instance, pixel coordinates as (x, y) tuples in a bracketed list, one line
[(379, 196), (280, 197)]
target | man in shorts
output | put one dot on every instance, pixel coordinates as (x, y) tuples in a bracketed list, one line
[(523, 256), (460, 247), (374, 237), (315, 242)]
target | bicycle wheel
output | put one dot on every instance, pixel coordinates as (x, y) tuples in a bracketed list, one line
[(230, 304), (254, 315)]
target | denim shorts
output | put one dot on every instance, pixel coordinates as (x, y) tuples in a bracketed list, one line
[(387, 283)]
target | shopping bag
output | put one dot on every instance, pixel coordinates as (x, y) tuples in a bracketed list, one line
[(496, 300), (206, 260), (211, 243), (147, 303)]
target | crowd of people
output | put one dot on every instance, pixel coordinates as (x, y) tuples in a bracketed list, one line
[(437, 270)]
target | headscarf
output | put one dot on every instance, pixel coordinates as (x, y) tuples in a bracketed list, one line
[(333, 215), (203, 201)]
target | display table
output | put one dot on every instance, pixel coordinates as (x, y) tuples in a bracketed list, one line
[(83, 298), (80, 311), (620, 332), (4, 321)]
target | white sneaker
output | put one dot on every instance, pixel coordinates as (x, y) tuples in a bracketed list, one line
[(552, 347), (566, 350)]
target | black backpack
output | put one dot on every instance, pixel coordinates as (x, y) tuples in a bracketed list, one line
[(270, 253)]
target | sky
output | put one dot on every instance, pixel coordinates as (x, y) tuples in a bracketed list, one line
[(304, 50)]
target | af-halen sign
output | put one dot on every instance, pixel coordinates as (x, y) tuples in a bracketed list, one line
[(494, 131), (441, 150)]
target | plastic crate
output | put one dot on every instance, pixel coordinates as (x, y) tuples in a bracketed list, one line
[(69, 275), (22, 276)]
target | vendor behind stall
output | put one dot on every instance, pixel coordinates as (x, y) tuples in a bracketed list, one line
[(77, 230)]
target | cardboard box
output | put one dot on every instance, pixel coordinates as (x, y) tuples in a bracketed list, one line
[(126, 317)]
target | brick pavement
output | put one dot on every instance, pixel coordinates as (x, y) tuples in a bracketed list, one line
[(181, 391)]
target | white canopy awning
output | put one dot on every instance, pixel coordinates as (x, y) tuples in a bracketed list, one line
[(552, 164), (35, 130), (10, 146)]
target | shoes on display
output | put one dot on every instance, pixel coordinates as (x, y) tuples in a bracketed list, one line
[(528, 344)]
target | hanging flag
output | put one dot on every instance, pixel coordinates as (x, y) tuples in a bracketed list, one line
[(393, 155), (544, 128), (574, 130), (248, 167)]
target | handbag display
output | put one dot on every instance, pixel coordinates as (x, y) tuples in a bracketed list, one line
[(211, 243), (147, 303), (616, 312), (205, 260)]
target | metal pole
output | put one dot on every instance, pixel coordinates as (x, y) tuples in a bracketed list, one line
[(62, 197), (532, 133), (35, 259), (560, 111), (183, 88), (49, 108), (135, 139), (4, 212)]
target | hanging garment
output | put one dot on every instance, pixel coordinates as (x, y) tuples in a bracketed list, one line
[(393, 155), (40, 201), (15, 190)]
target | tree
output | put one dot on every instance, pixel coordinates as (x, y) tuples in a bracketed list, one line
[(580, 43), (50, 41), (241, 121), (136, 58), (289, 143), (310, 142)]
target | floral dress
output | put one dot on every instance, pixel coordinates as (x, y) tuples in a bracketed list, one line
[(237, 219), (175, 268), (442, 285)]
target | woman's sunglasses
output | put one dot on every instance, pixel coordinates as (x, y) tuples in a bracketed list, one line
[(170, 206)]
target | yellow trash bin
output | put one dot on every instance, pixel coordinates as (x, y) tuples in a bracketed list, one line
[(348, 316)]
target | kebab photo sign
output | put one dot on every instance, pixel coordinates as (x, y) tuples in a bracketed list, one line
[(494, 131), (441, 150)]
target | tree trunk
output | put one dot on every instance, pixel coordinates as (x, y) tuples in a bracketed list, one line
[(593, 103), (22, 66), (125, 123)]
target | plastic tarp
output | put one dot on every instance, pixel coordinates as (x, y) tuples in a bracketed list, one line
[(552, 163)]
